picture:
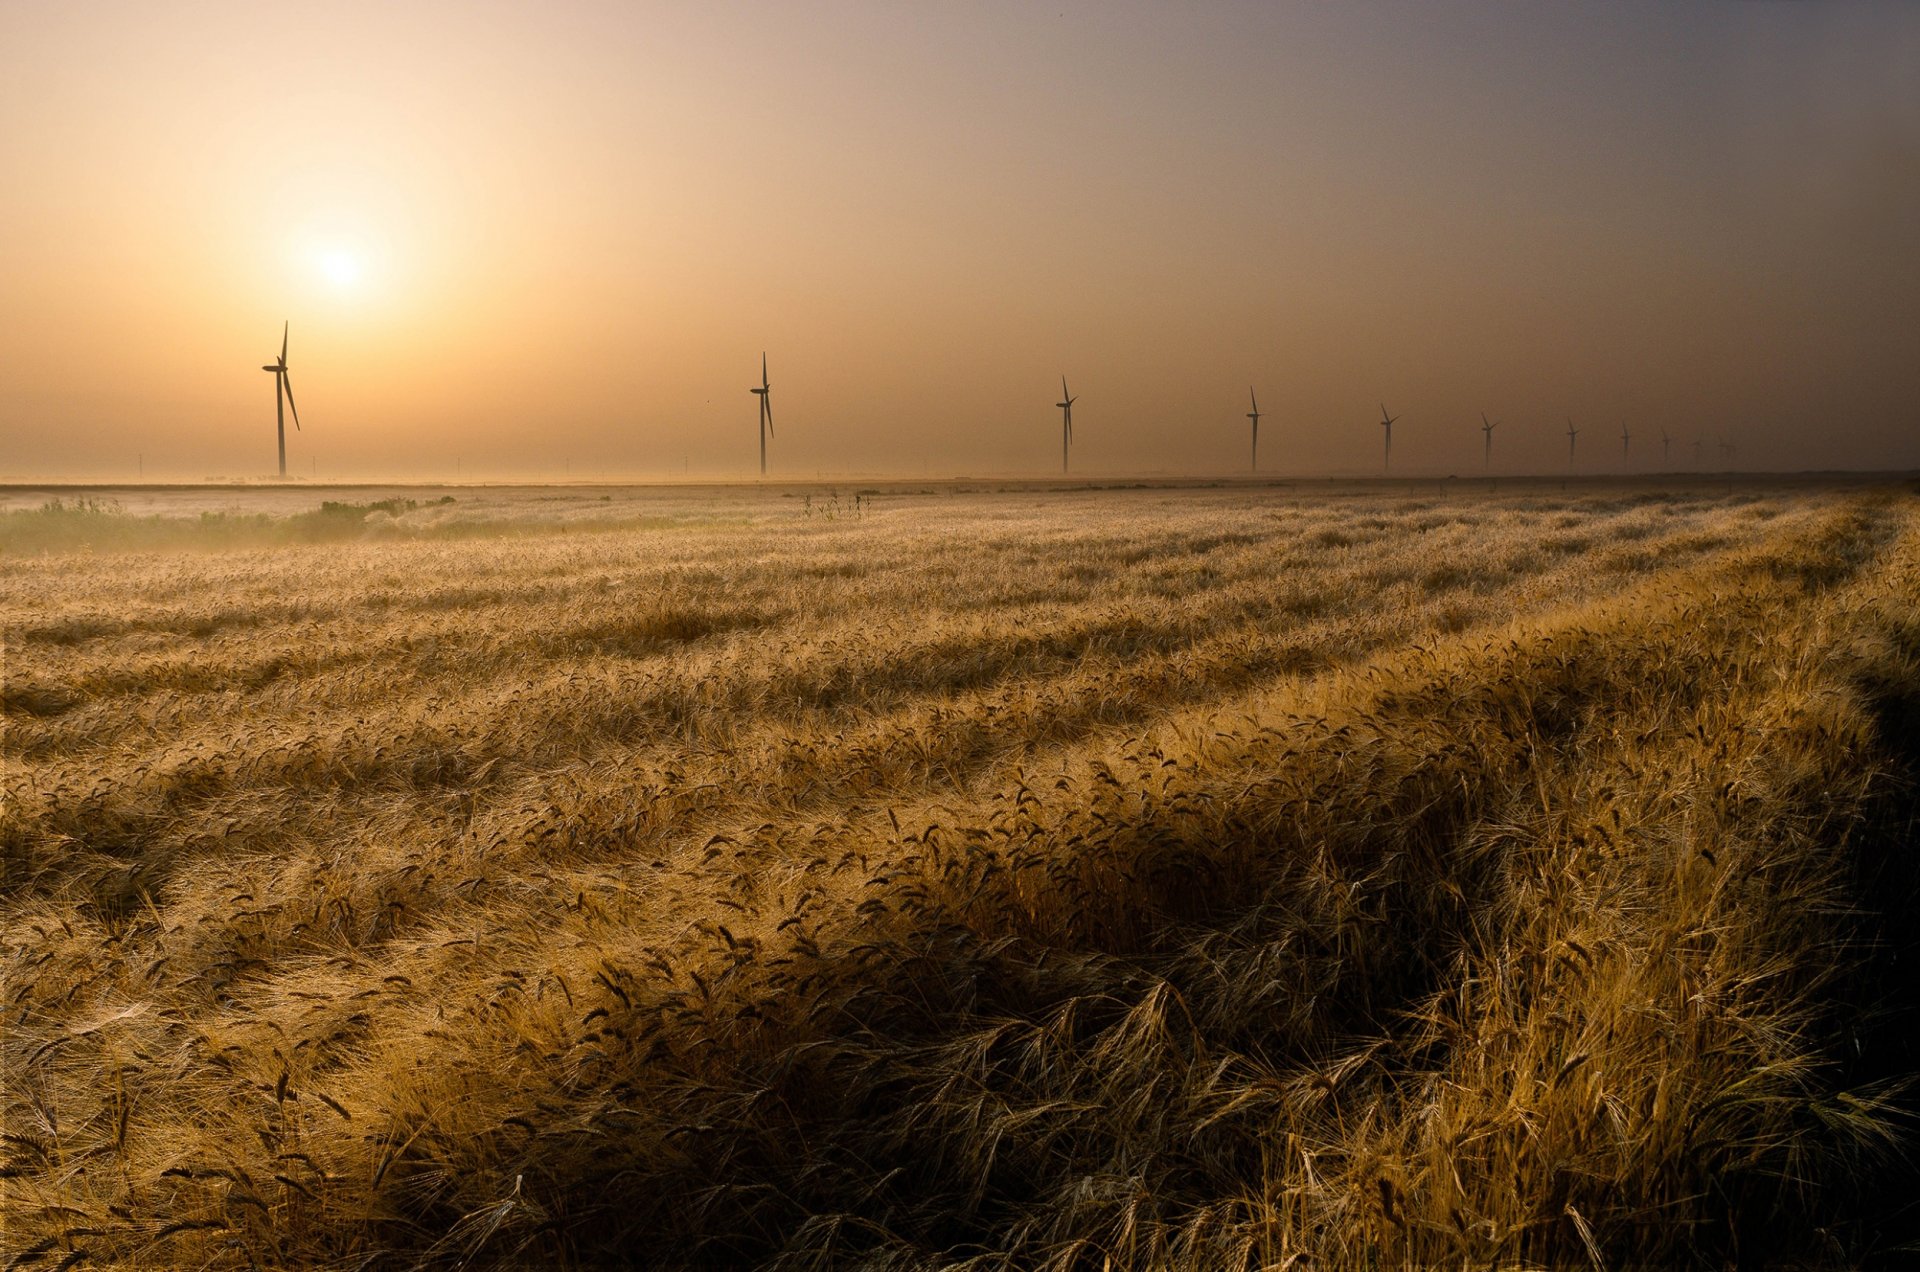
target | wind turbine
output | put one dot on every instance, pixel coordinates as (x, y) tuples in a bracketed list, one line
[(1726, 452), (1626, 441), (1386, 422), (282, 398), (1486, 430), (1572, 433), (1253, 462), (765, 394), (1066, 421)]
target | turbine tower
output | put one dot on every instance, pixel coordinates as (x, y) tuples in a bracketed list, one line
[(1666, 448), (1626, 441), (1386, 422), (1572, 433), (1066, 422), (282, 398), (1253, 462), (1486, 431), (765, 394)]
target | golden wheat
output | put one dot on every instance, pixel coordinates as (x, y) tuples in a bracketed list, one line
[(1199, 877)]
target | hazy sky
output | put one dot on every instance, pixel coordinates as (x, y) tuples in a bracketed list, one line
[(515, 236)]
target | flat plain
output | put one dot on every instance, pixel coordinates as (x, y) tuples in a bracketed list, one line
[(959, 874)]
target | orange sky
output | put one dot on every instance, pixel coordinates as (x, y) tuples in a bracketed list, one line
[(523, 237)]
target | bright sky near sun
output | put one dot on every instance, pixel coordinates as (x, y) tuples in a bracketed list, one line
[(543, 238)]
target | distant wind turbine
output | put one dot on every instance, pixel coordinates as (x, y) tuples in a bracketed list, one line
[(1666, 449), (1386, 422), (1696, 452), (1572, 433), (1066, 421), (282, 398), (765, 394), (1727, 449), (1626, 441), (1253, 462), (1486, 430)]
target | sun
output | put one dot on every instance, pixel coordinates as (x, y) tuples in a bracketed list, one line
[(340, 267)]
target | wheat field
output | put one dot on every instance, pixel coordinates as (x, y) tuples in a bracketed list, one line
[(961, 877)]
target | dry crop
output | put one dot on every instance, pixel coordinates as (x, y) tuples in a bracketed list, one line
[(1136, 878)]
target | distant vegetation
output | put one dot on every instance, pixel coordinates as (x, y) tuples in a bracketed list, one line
[(1184, 879), (359, 511)]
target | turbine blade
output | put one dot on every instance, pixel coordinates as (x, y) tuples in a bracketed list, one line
[(766, 404), (287, 384), (283, 342)]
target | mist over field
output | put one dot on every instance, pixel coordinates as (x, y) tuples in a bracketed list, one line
[(927, 875)]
